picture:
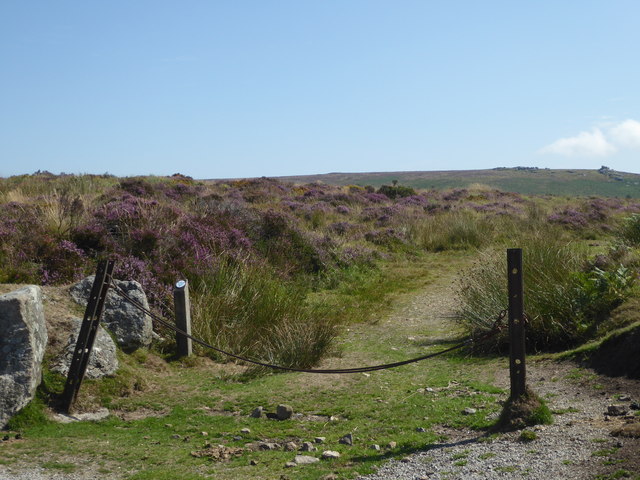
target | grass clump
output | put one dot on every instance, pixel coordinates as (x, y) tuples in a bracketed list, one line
[(248, 310), (566, 298), (630, 231), (33, 414), (528, 436), (524, 411), (451, 231)]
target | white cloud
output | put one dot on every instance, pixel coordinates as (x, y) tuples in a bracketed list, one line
[(584, 144), (626, 134)]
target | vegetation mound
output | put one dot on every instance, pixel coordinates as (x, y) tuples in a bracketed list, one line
[(619, 354)]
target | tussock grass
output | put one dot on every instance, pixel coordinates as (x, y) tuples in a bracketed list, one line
[(451, 231), (248, 310), (548, 266)]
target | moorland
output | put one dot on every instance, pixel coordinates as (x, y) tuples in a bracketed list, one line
[(306, 275)]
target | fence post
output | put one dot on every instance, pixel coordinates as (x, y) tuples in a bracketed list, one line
[(183, 317), (87, 334), (517, 367)]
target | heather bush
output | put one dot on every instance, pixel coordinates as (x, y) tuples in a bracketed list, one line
[(287, 247), (61, 261)]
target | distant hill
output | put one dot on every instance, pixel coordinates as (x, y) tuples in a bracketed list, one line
[(526, 180)]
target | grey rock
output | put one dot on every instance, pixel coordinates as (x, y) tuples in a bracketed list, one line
[(616, 410), (329, 454), (245, 430), (291, 446), (347, 439), (267, 446), (284, 412), (375, 447), (290, 465), (320, 439), (257, 412), (305, 460), (307, 447), (103, 360), (392, 445), (469, 411), (99, 414), (421, 429), (23, 340), (131, 327)]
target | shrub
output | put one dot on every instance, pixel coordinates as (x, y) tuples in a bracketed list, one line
[(396, 191), (630, 231)]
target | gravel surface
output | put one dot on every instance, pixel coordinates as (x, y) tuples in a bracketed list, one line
[(578, 445)]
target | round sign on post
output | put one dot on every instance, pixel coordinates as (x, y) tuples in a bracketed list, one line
[(183, 317)]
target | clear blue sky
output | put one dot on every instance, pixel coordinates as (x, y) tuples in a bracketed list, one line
[(236, 88)]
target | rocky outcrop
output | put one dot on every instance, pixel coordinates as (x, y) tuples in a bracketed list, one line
[(131, 327), (102, 361), (23, 339)]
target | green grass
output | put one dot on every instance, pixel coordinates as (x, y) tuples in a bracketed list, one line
[(60, 466), (531, 182), (187, 398)]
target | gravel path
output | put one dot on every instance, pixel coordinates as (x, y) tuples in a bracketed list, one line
[(578, 445)]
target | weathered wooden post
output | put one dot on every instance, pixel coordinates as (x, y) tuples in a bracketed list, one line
[(183, 317), (517, 367)]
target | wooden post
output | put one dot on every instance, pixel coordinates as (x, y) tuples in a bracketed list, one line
[(517, 368), (183, 317)]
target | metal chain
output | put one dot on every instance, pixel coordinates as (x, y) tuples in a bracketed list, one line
[(497, 327)]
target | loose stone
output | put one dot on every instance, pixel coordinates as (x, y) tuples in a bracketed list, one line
[(347, 439), (305, 459), (307, 447), (330, 454), (257, 412), (616, 410), (284, 412)]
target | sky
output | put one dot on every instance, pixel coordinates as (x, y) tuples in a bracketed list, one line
[(241, 88)]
